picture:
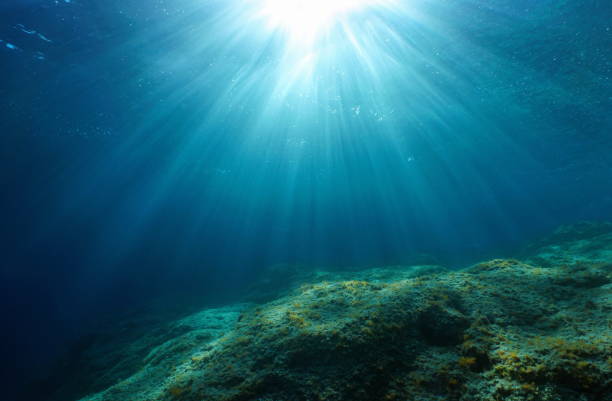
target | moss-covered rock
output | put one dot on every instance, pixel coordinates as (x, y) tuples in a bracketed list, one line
[(500, 330)]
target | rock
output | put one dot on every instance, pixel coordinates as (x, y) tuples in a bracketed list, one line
[(500, 330)]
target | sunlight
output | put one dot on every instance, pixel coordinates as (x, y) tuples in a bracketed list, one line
[(305, 20)]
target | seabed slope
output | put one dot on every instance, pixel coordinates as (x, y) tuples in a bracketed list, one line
[(538, 328)]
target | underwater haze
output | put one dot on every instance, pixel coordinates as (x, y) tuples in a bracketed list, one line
[(167, 155)]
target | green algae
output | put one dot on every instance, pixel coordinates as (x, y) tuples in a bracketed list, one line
[(500, 330)]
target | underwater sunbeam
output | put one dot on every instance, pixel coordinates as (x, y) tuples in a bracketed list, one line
[(305, 20)]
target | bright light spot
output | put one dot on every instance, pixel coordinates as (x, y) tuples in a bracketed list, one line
[(304, 20)]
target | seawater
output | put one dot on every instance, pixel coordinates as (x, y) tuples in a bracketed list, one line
[(165, 153)]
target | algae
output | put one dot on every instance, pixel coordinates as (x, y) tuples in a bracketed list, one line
[(534, 328)]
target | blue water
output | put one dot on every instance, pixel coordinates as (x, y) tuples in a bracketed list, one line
[(170, 150)]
